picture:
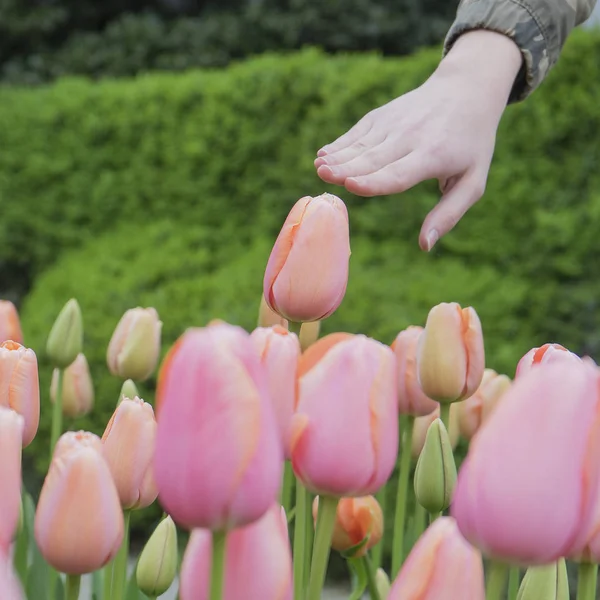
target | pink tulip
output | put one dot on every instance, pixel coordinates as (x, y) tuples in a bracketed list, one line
[(258, 561), (279, 352), (539, 451), (441, 566), (9, 583), (411, 399), (11, 440), (10, 326), (77, 388), (451, 357), (128, 448), (345, 430), (78, 521), (219, 458), (19, 385), (421, 425), (548, 353), (307, 272)]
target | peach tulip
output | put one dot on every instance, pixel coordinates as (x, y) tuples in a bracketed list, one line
[(267, 317), (10, 326), (9, 582), (411, 399), (219, 457), (258, 561), (128, 447), (11, 440), (474, 411), (451, 357), (421, 425), (78, 522), (548, 353), (345, 430), (541, 450), (358, 521), (135, 345), (307, 272), (279, 351), (77, 388), (19, 385), (441, 565)]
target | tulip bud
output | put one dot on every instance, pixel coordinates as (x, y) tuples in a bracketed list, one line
[(135, 345), (10, 326), (451, 356), (19, 385), (382, 583), (435, 475), (474, 411), (267, 317), (358, 525), (309, 334), (546, 354), (421, 426), (307, 272), (78, 522), (157, 566), (66, 336), (547, 581), (77, 389), (128, 447), (128, 390)]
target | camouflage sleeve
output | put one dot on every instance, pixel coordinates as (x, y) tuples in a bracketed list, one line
[(538, 27)]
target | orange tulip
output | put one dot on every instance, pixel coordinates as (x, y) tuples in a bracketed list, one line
[(10, 326), (128, 447), (19, 385), (78, 521), (77, 388)]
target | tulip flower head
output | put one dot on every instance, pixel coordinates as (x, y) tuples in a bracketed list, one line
[(77, 388), (548, 353), (10, 326)]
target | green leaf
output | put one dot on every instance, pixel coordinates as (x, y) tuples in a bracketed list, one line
[(97, 584), (133, 592), (59, 593)]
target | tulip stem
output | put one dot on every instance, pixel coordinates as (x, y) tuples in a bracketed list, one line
[(324, 533), (300, 527), (406, 431), (434, 516), (57, 412), (359, 578), (587, 581), (496, 580), (217, 576), (371, 578), (116, 572), (381, 497), (72, 591), (445, 415), (513, 583), (420, 521), (310, 533), (287, 487)]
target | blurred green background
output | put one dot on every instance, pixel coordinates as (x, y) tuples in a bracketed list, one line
[(129, 177)]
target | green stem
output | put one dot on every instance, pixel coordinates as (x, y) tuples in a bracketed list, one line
[(119, 567), (371, 578), (308, 541), (217, 575), (513, 583), (420, 521), (496, 580), (300, 526), (57, 412), (73, 582), (360, 580), (434, 516), (22, 552), (445, 415), (286, 488), (381, 497), (294, 327), (325, 524), (587, 581), (402, 493)]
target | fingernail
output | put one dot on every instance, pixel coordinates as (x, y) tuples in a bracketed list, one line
[(432, 237)]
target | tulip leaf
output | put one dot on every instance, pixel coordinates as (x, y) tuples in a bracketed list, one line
[(59, 593), (98, 583), (291, 515), (133, 592), (359, 578), (354, 550)]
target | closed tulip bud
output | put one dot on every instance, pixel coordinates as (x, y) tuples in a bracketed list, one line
[(267, 317), (451, 357), (157, 566), (128, 447), (309, 334), (411, 399), (435, 475), (307, 272), (358, 525), (128, 390), (75, 440), (20, 386), (548, 582), (11, 439), (441, 565), (77, 388), (475, 411), (421, 426), (10, 326), (258, 562), (279, 352), (546, 354), (214, 402), (78, 521), (351, 389), (66, 336), (9, 582), (544, 440), (135, 345), (382, 582)]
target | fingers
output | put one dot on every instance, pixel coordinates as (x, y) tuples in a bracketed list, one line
[(457, 200), (361, 129)]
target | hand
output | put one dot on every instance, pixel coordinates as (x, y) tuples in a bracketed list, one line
[(445, 130)]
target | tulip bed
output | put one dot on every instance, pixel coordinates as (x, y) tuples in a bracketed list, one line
[(253, 431)]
